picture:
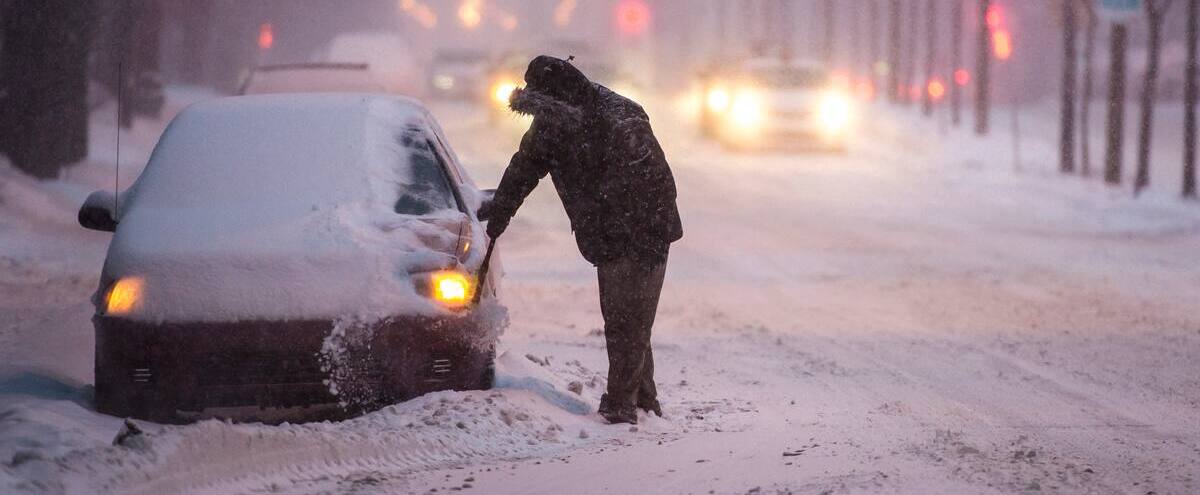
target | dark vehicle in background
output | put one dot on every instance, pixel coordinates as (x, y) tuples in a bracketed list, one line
[(312, 78), (458, 74), (772, 102), (293, 257)]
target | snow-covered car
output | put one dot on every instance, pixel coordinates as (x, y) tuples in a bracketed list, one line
[(776, 103), (312, 78), (293, 257), (459, 74)]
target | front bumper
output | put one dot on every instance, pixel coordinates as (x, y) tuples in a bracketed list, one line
[(784, 133), (275, 371)]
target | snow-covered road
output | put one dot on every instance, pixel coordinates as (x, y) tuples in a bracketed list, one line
[(910, 317)]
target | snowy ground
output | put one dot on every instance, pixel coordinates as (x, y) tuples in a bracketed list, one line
[(910, 317)]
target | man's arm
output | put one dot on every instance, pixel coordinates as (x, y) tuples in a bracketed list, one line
[(528, 165)]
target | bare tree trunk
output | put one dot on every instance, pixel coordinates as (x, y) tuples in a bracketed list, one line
[(1115, 129), (930, 55), (1155, 9), (872, 38), (894, 43), (1189, 100), (956, 30), (830, 33), (983, 61), (45, 67), (1085, 123), (1066, 157), (910, 75)]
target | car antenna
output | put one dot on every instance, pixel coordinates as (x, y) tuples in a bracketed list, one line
[(117, 167)]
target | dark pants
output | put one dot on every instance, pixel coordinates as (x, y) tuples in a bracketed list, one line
[(629, 290)]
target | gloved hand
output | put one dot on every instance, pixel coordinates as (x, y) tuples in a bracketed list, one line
[(496, 226)]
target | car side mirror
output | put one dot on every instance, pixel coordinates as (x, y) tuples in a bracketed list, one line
[(484, 213), (97, 212)]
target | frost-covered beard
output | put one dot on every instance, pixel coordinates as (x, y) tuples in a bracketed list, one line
[(540, 105)]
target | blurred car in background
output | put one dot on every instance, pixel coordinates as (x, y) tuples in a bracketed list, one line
[(292, 257), (391, 59), (312, 78), (458, 74), (773, 102)]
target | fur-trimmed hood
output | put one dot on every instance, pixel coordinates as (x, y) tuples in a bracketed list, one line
[(535, 103)]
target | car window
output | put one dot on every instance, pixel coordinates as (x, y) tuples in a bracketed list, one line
[(792, 77), (426, 189)]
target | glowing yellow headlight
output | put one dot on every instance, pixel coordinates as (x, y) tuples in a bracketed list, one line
[(747, 110), (502, 91), (717, 100), (123, 296), (835, 112), (452, 288)]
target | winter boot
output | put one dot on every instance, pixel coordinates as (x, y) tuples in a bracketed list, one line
[(650, 406), (617, 413)]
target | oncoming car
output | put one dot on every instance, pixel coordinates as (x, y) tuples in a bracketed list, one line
[(293, 257), (458, 74), (776, 103)]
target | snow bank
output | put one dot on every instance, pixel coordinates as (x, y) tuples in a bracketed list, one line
[(281, 207)]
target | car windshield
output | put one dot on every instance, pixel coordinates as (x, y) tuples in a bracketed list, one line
[(426, 189), (790, 77)]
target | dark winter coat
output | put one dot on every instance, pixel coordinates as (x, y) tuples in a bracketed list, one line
[(608, 168)]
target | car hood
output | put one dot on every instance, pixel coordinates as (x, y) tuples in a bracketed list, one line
[(328, 264)]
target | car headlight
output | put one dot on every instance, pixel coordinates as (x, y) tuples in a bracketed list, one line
[(124, 296), (717, 100), (835, 112), (450, 288), (747, 110), (502, 91)]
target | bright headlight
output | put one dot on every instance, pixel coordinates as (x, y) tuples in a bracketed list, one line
[(451, 288), (717, 99), (502, 91), (747, 109), (835, 112), (123, 296)]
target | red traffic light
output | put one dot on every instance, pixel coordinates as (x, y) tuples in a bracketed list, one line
[(633, 17), (266, 36), (962, 77), (994, 17)]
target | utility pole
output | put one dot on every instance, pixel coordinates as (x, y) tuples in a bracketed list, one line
[(1189, 100), (1116, 104), (1066, 155), (983, 60), (956, 31)]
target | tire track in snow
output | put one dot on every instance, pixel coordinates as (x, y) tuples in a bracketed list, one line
[(436, 430)]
